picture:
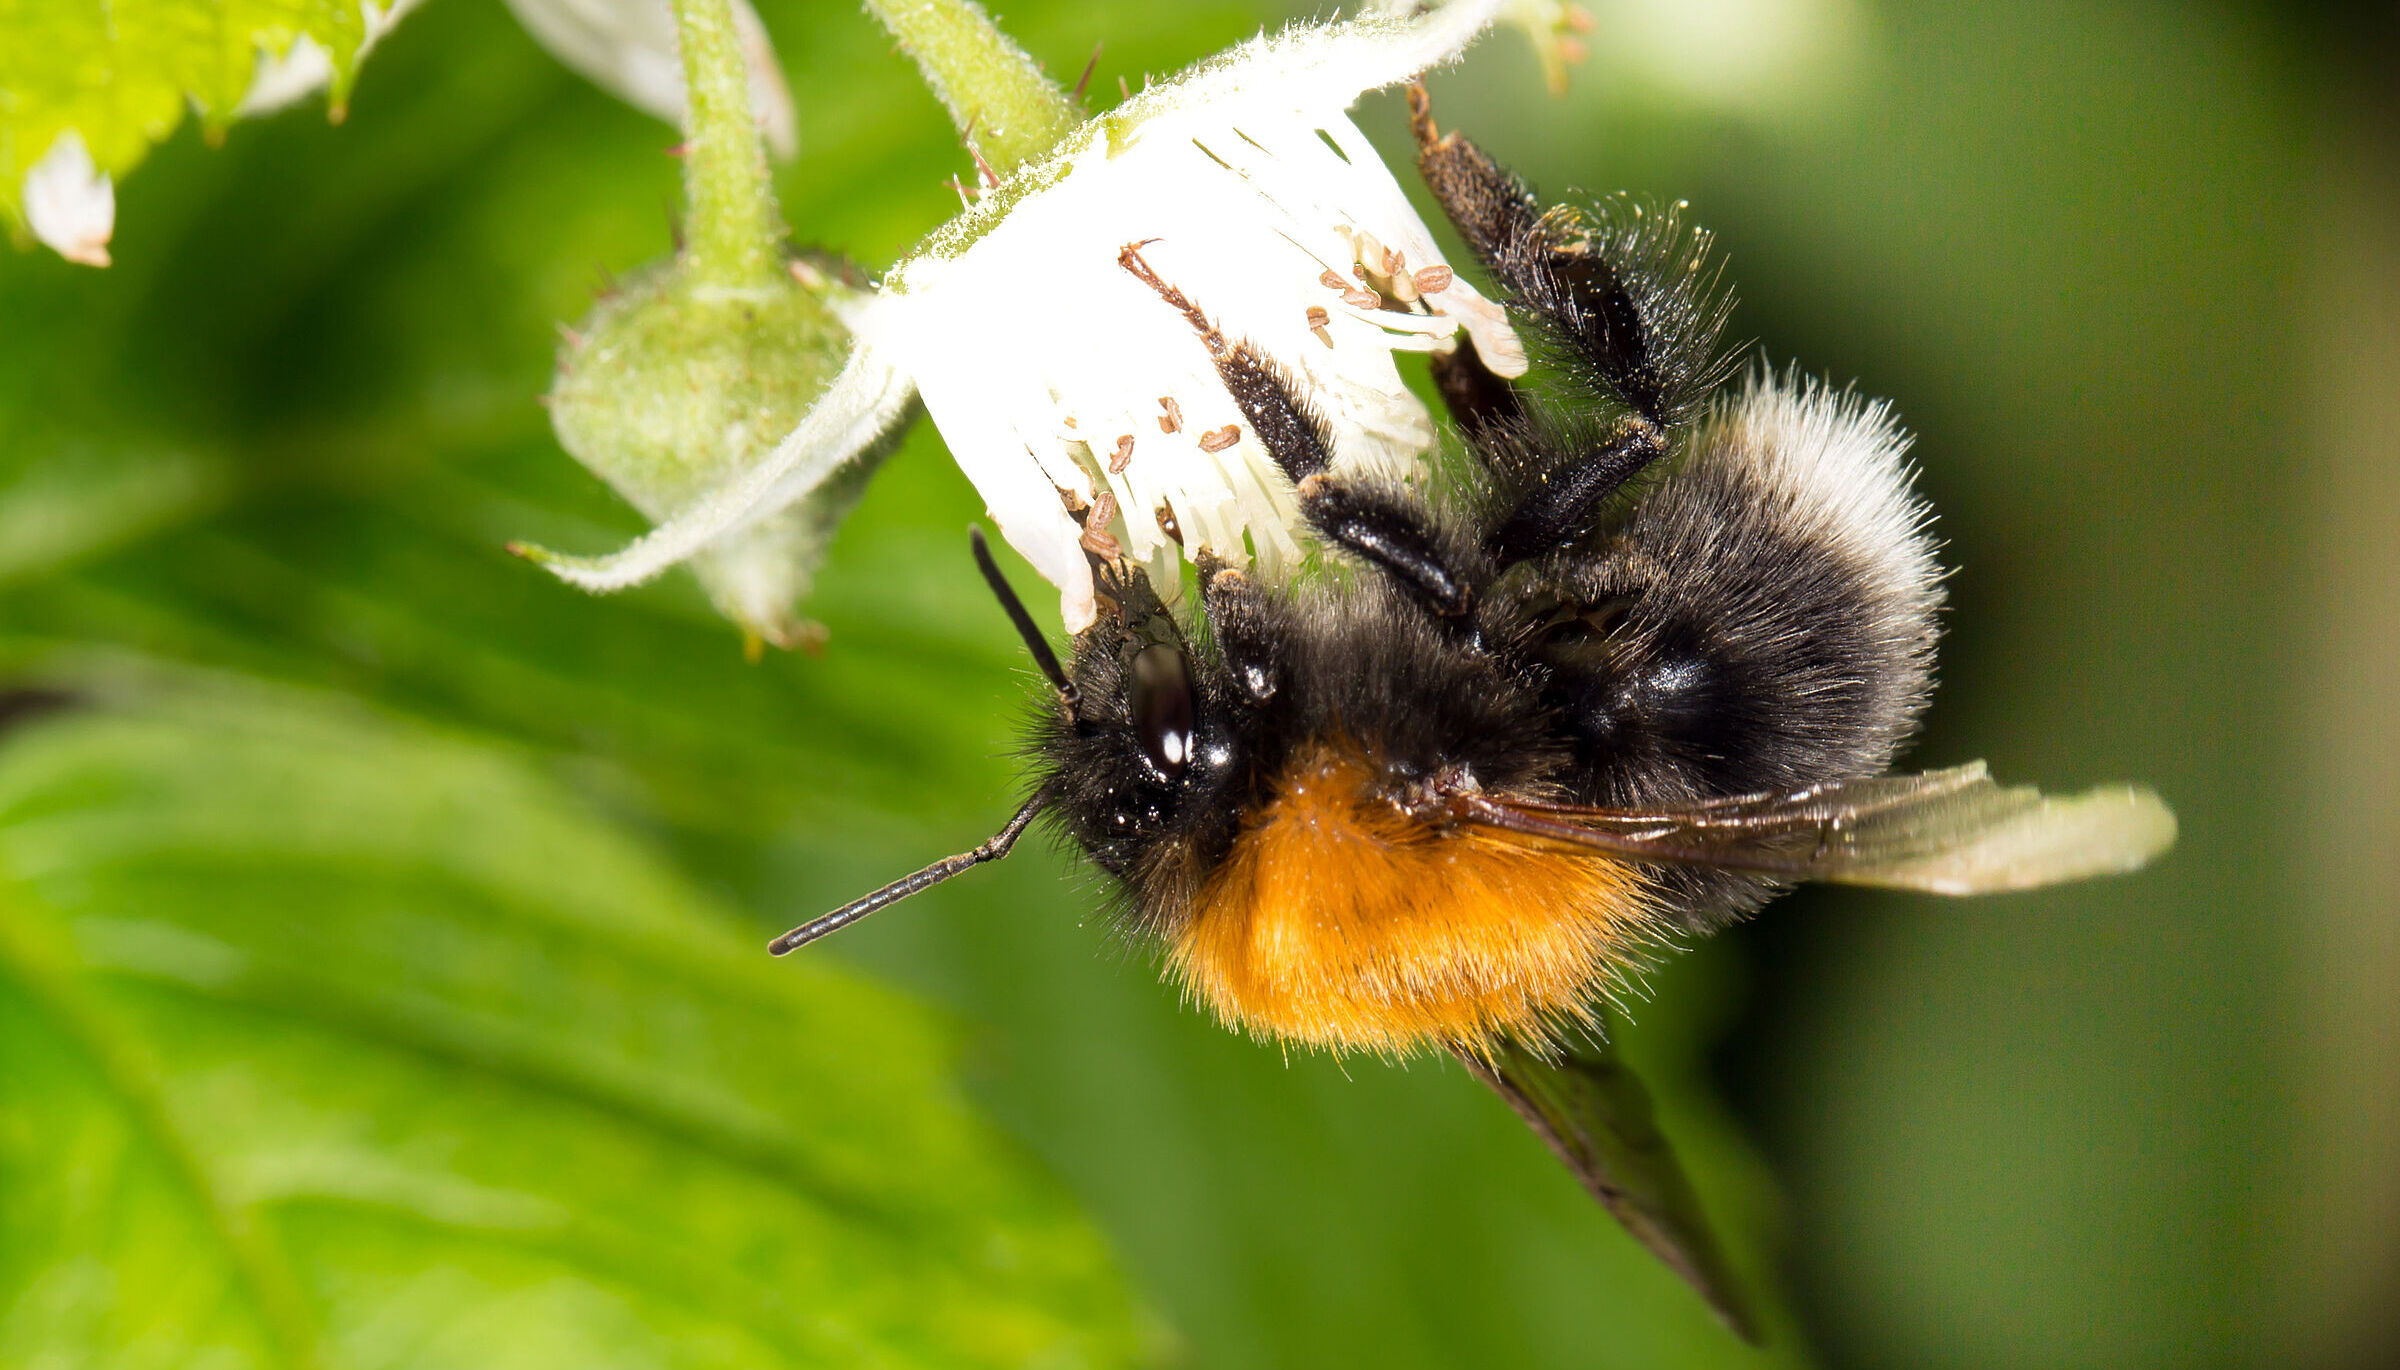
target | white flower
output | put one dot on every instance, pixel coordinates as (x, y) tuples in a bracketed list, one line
[(71, 204), (627, 48), (1039, 356)]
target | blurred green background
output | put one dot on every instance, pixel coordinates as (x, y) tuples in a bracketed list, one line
[(291, 738)]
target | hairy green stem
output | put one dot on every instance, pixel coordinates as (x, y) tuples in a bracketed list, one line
[(1006, 109), (732, 228)]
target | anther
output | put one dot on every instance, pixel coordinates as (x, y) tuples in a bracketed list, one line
[(1333, 281), (1362, 299), (1096, 538), (1317, 319), (1217, 440), (1172, 420), (1433, 280), (1123, 456)]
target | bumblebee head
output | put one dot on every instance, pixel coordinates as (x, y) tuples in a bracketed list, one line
[(1144, 746)]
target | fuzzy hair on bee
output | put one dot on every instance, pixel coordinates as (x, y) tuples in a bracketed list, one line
[(1641, 658), (1639, 665)]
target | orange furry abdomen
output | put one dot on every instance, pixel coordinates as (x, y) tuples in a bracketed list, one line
[(1339, 921)]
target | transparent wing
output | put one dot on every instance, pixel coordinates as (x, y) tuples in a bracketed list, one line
[(1947, 832)]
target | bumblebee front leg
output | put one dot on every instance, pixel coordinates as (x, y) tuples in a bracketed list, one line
[(1247, 625), (1384, 523)]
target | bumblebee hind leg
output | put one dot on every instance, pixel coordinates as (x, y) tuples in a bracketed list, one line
[(1625, 293)]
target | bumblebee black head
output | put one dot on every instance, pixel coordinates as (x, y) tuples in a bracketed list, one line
[(1138, 772)]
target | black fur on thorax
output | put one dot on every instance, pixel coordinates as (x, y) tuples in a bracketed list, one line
[(1359, 665)]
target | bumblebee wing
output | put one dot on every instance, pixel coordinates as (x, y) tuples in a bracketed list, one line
[(1954, 831), (1594, 1113)]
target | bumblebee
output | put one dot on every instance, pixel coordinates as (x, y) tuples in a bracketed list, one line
[(1635, 663)]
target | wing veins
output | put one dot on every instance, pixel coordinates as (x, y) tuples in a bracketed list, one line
[(1953, 831)]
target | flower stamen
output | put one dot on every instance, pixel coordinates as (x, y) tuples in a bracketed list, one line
[(1096, 538)]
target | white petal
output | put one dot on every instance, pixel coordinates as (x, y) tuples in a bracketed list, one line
[(1309, 60), (978, 411), (1038, 355), (627, 48), (70, 204), (861, 405), (1249, 188)]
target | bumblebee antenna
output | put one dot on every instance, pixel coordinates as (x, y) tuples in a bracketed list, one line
[(1035, 643), (907, 885)]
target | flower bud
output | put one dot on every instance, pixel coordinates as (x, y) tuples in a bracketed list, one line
[(671, 387)]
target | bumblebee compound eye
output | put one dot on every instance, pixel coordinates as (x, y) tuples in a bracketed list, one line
[(1163, 714)]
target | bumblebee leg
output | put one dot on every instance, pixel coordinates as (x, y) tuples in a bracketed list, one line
[(1243, 620), (1563, 503), (1495, 212), (1388, 526), (1286, 427), (1623, 293), (1391, 528), (1478, 400), (1624, 287)]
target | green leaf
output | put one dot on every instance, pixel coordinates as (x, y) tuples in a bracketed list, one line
[(1591, 1109), (328, 1040), (122, 74)]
